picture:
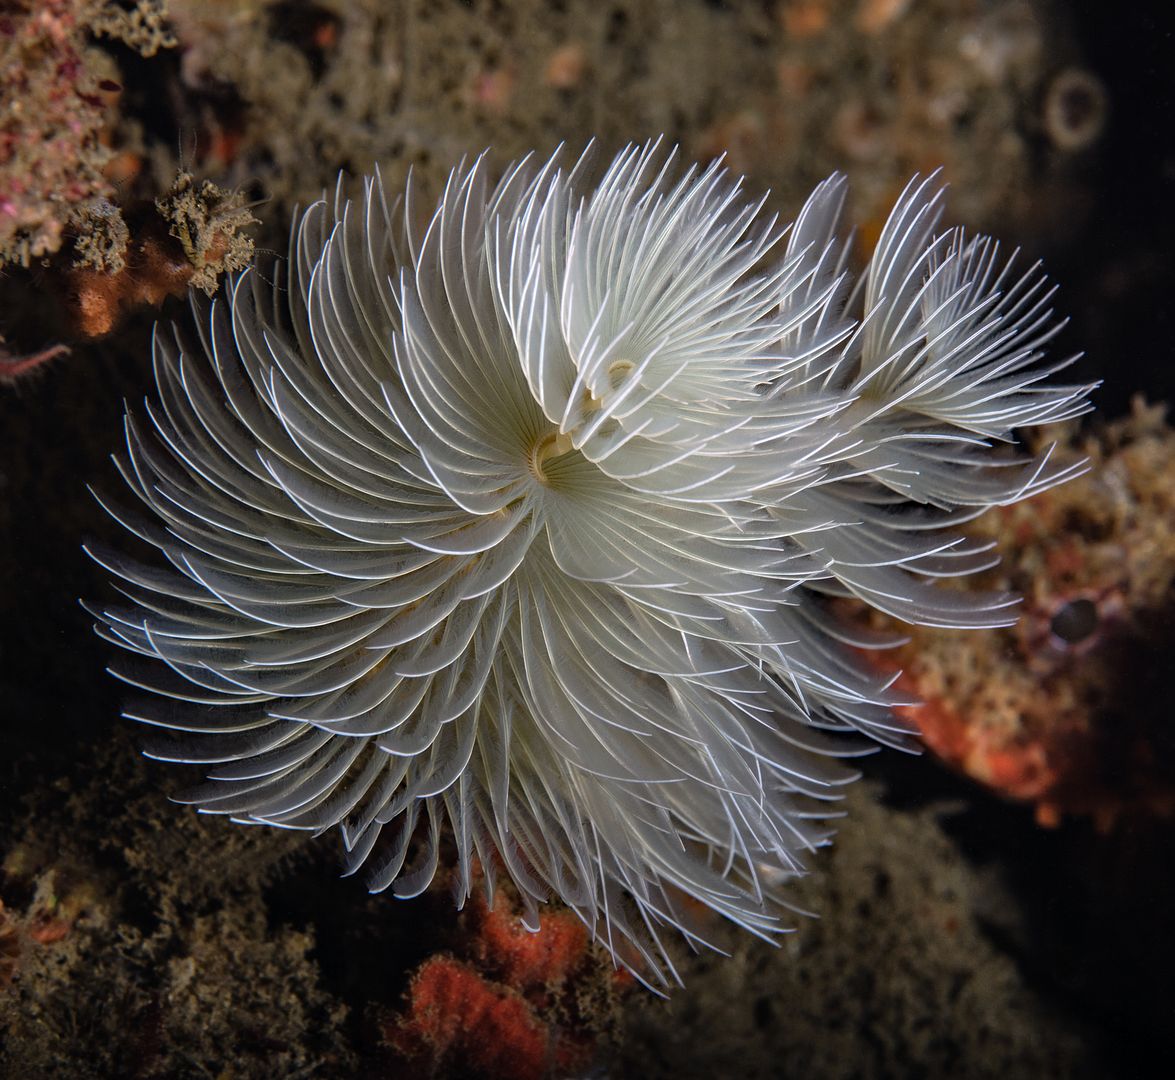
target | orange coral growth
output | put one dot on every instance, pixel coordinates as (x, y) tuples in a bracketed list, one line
[(1065, 709), (1019, 769), (48, 919), (874, 16), (566, 66), (512, 1003), (98, 299), (458, 1019), (527, 959), (203, 240), (804, 18), (48, 931)]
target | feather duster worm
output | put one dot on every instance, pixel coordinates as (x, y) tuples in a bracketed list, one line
[(517, 526)]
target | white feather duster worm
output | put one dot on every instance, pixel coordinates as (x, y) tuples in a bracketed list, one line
[(513, 530)]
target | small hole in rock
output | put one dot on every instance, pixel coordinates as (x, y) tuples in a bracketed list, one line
[(1075, 621)]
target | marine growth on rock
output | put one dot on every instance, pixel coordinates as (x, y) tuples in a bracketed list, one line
[(508, 532)]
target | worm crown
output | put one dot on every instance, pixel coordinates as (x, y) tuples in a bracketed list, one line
[(516, 528)]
